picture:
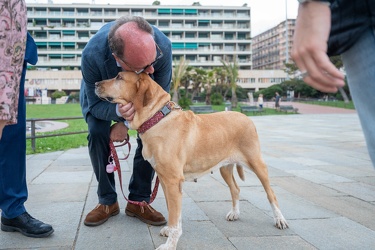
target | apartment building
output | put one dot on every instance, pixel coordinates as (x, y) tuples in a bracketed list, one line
[(271, 48), (204, 35)]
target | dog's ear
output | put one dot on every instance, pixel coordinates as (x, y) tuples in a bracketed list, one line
[(144, 94)]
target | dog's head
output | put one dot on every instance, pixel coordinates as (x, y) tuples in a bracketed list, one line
[(121, 89), (146, 95)]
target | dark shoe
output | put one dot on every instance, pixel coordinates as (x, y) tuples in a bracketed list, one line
[(26, 225), (146, 214), (101, 214)]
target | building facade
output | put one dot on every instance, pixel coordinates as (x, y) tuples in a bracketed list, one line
[(203, 35), (271, 49), (70, 80)]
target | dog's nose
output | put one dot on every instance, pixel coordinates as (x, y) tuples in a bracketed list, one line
[(97, 84)]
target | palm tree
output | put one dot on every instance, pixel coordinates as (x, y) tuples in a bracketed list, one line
[(198, 78), (179, 71), (221, 76), (208, 86), (186, 79), (232, 70)]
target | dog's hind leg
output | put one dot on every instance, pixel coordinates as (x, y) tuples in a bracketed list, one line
[(227, 174), (260, 169)]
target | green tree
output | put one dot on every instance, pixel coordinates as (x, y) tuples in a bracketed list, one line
[(156, 3), (220, 81), (208, 86), (269, 92), (198, 77), (58, 94), (232, 71)]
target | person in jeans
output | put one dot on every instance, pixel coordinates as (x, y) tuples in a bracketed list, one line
[(128, 44), (346, 28), (17, 48)]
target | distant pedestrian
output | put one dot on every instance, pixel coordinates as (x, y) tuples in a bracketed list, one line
[(260, 101), (277, 100)]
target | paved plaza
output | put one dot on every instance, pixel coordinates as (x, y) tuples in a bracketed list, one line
[(319, 169)]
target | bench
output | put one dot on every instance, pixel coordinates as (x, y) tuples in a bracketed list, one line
[(254, 109), (288, 108), (201, 109)]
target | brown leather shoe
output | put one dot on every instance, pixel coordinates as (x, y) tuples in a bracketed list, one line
[(101, 213), (146, 214)]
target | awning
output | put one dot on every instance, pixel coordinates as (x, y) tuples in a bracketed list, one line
[(54, 43), (55, 55), (177, 11), (191, 45), (69, 44), (68, 32), (178, 45), (68, 56), (191, 11), (164, 11)]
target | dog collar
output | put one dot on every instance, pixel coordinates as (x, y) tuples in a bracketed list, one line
[(155, 118)]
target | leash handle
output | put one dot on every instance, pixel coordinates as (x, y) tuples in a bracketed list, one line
[(117, 167)]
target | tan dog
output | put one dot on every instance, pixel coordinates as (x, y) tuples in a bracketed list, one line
[(182, 145)]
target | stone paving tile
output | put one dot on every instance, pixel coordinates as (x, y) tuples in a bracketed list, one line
[(270, 243), (335, 233)]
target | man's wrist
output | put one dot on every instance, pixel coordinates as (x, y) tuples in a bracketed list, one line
[(126, 123)]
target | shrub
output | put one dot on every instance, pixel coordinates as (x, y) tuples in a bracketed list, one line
[(58, 94), (216, 99), (184, 102)]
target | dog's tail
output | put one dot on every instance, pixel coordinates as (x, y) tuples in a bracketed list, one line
[(240, 172)]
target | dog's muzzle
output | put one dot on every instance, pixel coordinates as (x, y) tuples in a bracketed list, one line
[(99, 92)]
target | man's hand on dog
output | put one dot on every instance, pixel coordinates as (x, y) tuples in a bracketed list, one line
[(127, 111), (119, 132)]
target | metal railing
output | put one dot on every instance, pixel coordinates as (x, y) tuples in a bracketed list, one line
[(33, 135)]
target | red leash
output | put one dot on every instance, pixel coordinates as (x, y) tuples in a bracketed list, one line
[(114, 165)]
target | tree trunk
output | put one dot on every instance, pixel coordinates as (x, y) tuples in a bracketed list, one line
[(234, 98), (175, 96), (344, 95)]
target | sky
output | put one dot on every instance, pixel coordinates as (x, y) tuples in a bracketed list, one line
[(265, 14)]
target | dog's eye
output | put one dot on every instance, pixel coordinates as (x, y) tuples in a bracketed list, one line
[(118, 77)]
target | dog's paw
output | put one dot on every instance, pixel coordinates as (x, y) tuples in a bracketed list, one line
[(233, 215), (164, 232), (163, 247), (281, 223)]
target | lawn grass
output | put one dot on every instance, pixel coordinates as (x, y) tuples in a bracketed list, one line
[(336, 104), (57, 143)]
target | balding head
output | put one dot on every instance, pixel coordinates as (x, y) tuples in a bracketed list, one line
[(131, 39)]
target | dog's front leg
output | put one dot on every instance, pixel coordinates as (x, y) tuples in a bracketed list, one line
[(173, 195)]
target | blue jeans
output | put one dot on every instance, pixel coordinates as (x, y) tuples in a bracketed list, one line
[(359, 62)]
